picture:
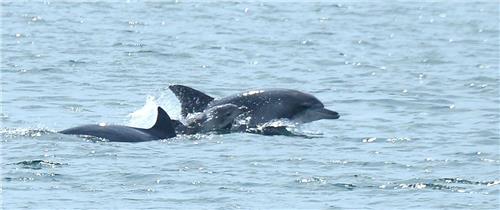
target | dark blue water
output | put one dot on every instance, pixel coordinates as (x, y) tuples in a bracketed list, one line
[(416, 84)]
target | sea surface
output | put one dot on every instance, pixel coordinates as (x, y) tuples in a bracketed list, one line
[(416, 85)]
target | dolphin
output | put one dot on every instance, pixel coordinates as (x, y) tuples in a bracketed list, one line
[(262, 105), (162, 129), (216, 118)]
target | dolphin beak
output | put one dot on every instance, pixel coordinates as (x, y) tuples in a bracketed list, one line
[(313, 114), (324, 113)]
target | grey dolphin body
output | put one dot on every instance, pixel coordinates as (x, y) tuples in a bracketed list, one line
[(262, 105), (162, 129), (216, 118)]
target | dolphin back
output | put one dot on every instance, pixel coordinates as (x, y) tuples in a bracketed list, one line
[(162, 129), (115, 133)]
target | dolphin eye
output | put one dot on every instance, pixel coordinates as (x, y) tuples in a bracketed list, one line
[(311, 105), (303, 107)]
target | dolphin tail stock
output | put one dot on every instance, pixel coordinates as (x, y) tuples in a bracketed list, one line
[(163, 125), (191, 100)]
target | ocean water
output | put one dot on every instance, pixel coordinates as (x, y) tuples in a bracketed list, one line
[(416, 85)]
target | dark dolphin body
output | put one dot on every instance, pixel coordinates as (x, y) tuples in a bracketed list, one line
[(262, 105), (162, 129), (214, 119)]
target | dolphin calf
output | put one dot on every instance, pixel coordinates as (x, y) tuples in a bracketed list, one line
[(162, 129), (262, 105), (216, 118)]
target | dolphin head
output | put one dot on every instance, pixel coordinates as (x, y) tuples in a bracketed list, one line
[(222, 116), (311, 109)]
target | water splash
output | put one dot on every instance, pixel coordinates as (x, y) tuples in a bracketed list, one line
[(146, 115)]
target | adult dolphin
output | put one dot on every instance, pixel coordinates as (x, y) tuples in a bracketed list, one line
[(162, 129), (262, 105)]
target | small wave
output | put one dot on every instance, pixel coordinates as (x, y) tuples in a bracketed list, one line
[(379, 139), (22, 179), (94, 139), (118, 44), (321, 181), (33, 18), (430, 186), (38, 164), (465, 181), (18, 132), (74, 62), (345, 186), (144, 190), (326, 33), (160, 54), (194, 138), (33, 177), (311, 180), (398, 139), (447, 184)]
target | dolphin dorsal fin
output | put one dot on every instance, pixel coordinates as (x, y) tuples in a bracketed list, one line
[(191, 100), (163, 125)]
